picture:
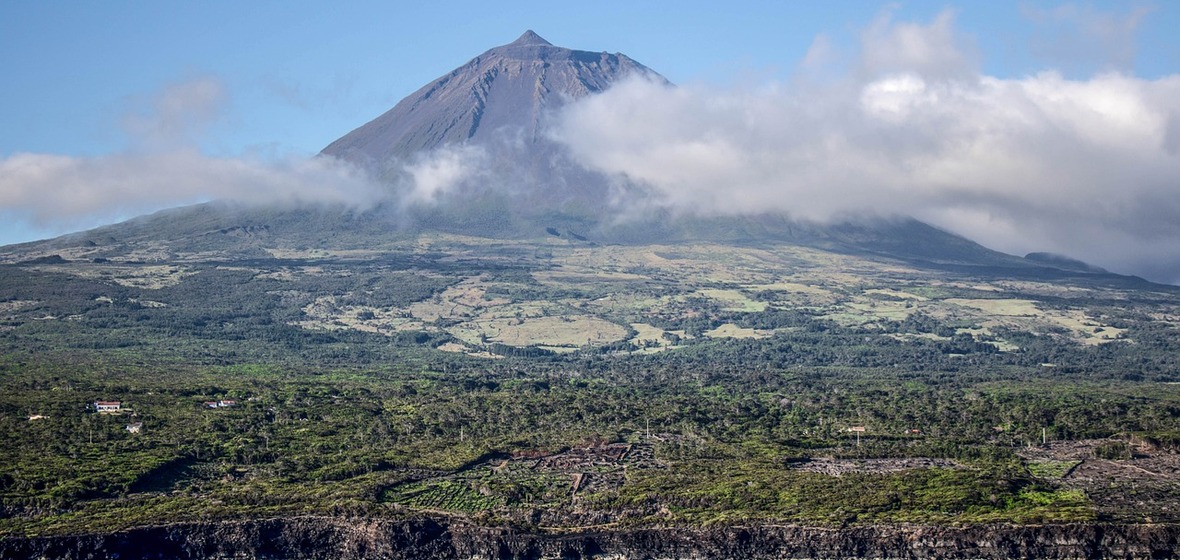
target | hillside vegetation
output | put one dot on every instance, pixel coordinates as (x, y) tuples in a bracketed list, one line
[(557, 384)]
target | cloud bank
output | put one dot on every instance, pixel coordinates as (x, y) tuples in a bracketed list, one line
[(1089, 168), (61, 190), (162, 167)]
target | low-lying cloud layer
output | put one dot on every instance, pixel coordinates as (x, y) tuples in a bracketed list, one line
[(1088, 168), (55, 190), (161, 167)]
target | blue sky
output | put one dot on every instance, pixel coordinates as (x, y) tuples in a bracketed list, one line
[(300, 74), (277, 81)]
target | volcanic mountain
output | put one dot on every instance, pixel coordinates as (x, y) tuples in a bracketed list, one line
[(493, 111), (503, 93), (509, 370)]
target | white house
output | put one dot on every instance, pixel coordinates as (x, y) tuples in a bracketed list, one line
[(108, 406)]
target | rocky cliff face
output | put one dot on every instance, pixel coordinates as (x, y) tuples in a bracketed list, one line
[(316, 537)]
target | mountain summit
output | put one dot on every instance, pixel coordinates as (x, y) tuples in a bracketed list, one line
[(502, 93), (529, 37)]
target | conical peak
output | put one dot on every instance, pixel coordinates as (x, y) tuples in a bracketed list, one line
[(511, 87), (530, 38)]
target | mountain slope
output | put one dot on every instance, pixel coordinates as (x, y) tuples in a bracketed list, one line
[(504, 91)]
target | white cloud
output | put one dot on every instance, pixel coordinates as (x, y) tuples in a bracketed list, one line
[(1073, 36), (934, 50), (820, 54), (440, 172), (1087, 167), (175, 117), (59, 190), (162, 167)]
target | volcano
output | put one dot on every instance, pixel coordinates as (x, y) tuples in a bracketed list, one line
[(506, 92), (496, 108), (522, 184), (512, 369)]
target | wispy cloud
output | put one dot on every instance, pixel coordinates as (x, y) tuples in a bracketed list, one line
[(1086, 167), (60, 190), (162, 167), (935, 50), (175, 117), (1075, 36)]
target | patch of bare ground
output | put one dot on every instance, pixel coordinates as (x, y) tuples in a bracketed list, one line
[(1141, 487), (16, 305), (838, 467), (151, 277)]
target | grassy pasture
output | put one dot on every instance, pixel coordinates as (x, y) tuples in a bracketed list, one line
[(734, 300), (562, 330), (730, 330), (151, 277)]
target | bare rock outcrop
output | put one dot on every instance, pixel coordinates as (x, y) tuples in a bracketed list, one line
[(351, 538)]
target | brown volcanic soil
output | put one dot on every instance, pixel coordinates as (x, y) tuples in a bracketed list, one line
[(1142, 489)]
